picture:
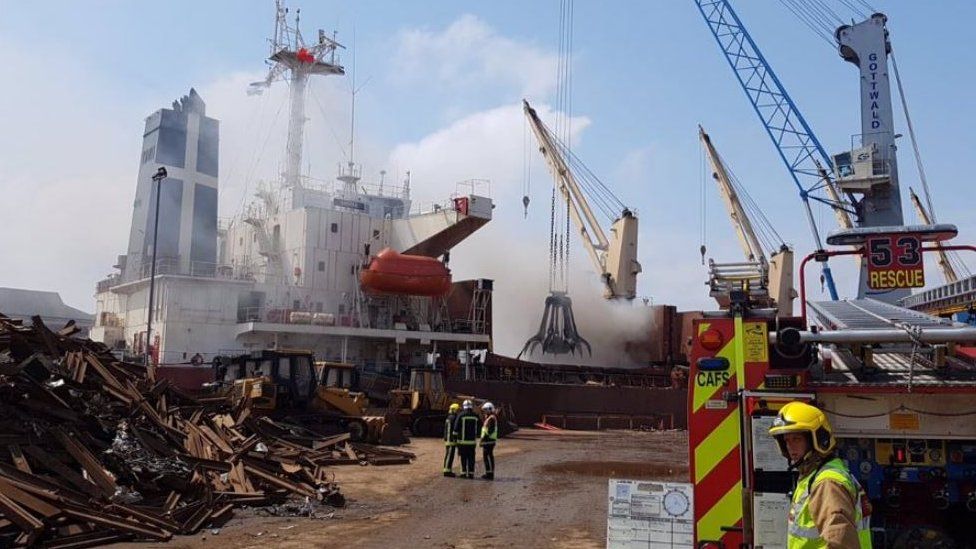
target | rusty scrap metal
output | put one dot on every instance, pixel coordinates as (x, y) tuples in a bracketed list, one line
[(93, 452)]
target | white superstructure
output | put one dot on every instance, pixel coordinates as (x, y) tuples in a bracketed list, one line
[(284, 272)]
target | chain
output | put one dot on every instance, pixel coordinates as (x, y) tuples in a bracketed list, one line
[(568, 234), (552, 239)]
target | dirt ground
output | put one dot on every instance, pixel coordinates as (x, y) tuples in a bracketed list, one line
[(550, 490)]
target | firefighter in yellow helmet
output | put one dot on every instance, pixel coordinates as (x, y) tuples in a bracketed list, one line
[(450, 439), (829, 509)]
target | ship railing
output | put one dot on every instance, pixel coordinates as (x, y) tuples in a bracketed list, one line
[(422, 208), (197, 269), (108, 282), (373, 189), (309, 314), (304, 314)]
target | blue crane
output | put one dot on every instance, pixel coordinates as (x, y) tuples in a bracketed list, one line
[(798, 147)]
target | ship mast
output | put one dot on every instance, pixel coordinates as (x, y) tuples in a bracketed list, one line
[(293, 61)]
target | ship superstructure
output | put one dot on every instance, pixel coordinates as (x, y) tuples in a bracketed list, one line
[(285, 271)]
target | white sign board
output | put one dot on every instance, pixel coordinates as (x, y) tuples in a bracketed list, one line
[(648, 514), (765, 450), (770, 522)]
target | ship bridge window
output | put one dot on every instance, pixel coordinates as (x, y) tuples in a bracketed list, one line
[(284, 368), (335, 227), (321, 266), (232, 371), (296, 304), (303, 376)]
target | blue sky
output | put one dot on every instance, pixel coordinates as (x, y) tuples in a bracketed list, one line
[(443, 83)]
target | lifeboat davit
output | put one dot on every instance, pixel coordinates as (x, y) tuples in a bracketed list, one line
[(391, 272)]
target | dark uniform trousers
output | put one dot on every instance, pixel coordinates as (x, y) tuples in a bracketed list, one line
[(449, 443), (489, 435), (466, 429)]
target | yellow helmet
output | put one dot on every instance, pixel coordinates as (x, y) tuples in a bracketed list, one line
[(800, 417), (453, 408)]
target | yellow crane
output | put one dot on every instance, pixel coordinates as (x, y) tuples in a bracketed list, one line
[(769, 280), (614, 258), (947, 270)]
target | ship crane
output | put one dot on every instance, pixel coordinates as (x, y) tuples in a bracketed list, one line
[(766, 277), (805, 158), (948, 272), (614, 257)]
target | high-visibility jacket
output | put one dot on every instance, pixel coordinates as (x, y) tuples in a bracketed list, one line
[(803, 532), (489, 430), (466, 428), (449, 438)]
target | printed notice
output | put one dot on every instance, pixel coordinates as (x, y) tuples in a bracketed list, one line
[(765, 450), (755, 341), (770, 512), (647, 514)]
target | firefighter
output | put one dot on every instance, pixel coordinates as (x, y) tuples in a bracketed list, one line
[(489, 435), (829, 509), (466, 437), (450, 441)]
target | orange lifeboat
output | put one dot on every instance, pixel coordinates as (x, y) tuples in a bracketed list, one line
[(391, 272)]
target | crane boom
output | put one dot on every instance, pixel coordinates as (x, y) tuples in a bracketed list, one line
[(740, 220), (614, 258), (843, 216), (948, 272), (795, 142), (776, 271)]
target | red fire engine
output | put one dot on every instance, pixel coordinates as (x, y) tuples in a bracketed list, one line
[(898, 386)]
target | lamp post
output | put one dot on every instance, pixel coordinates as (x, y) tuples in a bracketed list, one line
[(157, 178)]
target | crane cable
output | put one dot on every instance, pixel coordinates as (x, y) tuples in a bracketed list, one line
[(559, 227), (954, 257), (702, 202)]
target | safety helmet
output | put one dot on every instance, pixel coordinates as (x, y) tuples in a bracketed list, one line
[(454, 407), (467, 405), (800, 417), (488, 407)]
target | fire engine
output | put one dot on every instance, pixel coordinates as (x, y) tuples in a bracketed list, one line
[(897, 385)]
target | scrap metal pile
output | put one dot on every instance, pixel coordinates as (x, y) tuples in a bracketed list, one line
[(93, 452)]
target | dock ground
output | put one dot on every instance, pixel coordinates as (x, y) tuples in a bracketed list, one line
[(550, 490)]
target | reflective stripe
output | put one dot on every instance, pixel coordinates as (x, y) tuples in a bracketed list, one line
[(802, 530), (489, 436), (806, 533), (469, 427)]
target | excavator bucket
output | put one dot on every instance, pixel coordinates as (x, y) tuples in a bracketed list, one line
[(391, 431)]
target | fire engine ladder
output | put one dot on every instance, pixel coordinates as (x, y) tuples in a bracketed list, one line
[(751, 278), (862, 330), (871, 314)]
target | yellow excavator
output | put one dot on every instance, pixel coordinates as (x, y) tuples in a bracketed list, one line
[(288, 383), (423, 405)]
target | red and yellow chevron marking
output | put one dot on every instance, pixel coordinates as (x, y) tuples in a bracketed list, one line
[(714, 430)]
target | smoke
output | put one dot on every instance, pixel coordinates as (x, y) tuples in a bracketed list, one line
[(514, 253)]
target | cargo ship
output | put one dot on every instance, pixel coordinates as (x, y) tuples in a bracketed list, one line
[(351, 269)]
